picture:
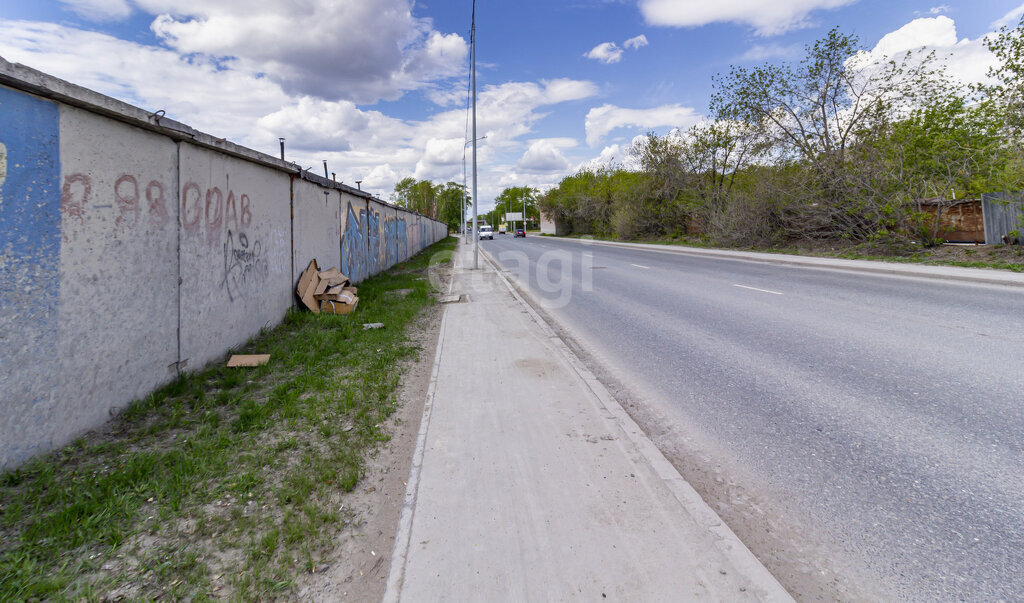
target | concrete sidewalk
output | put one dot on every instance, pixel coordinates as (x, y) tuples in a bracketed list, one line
[(530, 483)]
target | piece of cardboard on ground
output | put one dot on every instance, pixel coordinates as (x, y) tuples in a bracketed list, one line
[(308, 283), (336, 307), (331, 293), (334, 277), (238, 360)]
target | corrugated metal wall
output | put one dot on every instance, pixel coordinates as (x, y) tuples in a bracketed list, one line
[(1002, 213)]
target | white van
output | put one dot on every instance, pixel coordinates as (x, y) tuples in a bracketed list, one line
[(486, 232)]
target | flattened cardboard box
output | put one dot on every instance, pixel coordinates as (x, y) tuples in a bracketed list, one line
[(238, 360), (334, 307), (308, 283)]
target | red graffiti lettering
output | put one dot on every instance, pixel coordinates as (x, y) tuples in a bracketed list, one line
[(126, 193), (214, 220), (191, 193), (73, 197), (157, 206), (231, 213), (246, 212)]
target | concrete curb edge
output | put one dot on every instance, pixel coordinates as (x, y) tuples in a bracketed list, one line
[(396, 573)]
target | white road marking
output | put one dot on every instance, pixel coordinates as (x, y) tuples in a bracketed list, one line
[(756, 289), (639, 266)]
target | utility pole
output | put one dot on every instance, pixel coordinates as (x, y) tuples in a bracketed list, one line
[(476, 197)]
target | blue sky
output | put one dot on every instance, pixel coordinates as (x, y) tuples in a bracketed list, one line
[(378, 87)]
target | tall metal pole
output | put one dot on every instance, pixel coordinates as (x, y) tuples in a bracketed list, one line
[(476, 197)]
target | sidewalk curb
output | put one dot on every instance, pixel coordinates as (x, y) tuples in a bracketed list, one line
[(728, 543), (399, 554), (951, 273)]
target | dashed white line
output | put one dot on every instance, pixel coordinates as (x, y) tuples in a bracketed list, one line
[(639, 266), (756, 289)]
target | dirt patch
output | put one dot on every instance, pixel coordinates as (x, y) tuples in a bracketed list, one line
[(358, 568)]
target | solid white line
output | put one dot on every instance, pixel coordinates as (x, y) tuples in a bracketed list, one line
[(756, 289), (639, 266)]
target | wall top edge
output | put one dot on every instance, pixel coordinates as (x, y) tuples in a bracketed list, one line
[(25, 78)]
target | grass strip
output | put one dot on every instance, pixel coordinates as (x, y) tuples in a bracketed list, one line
[(225, 482)]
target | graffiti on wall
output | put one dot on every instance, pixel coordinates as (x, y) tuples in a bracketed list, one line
[(245, 265), (211, 214), (373, 248), (127, 197), (353, 243), (371, 243)]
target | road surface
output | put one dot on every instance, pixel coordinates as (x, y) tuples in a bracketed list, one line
[(861, 433)]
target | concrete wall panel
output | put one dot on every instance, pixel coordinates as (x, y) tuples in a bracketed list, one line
[(235, 251), (118, 268), (132, 247), (317, 226), (30, 220)]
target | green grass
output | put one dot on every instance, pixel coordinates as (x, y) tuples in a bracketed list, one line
[(225, 479)]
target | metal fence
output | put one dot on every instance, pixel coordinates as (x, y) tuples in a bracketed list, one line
[(1003, 213)]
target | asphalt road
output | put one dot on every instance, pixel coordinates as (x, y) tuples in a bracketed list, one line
[(862, 434)]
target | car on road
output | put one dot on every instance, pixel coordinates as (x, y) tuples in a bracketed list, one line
[(486, 232), (520, 232)]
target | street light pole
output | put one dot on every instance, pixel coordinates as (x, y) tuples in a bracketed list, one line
[(476, 197)]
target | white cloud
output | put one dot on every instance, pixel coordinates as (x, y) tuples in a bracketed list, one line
[(610, 52), (99, 10), (210, 97), (602, 120), (965, 60), (637, 42), (1010, 18), (543, 156), (608, 157), (767, 18), (939, 10), (606, 52), (358, 50)]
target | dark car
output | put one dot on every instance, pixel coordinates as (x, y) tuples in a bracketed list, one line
[(520, 232)]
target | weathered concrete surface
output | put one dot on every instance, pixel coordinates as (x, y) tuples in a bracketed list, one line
[(532, 484), (317, 226), (118, 274), (235, 252), (131, 244)]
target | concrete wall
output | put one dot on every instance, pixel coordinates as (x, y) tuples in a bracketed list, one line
[(133, 247)]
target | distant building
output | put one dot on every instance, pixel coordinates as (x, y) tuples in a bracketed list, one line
[(551, 226)]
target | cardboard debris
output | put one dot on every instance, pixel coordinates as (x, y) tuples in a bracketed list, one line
[(317, 286), (337, 307), (308, 283), (237, 360)]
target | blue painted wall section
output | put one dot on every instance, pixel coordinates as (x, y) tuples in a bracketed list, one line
[(30, 227)]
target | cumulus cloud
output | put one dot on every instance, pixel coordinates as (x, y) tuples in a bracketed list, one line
[(767, 18), (610, 52), (359, 50), (637, 42), (606, 52), (966, 60), (600, 121), (544, 156)]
